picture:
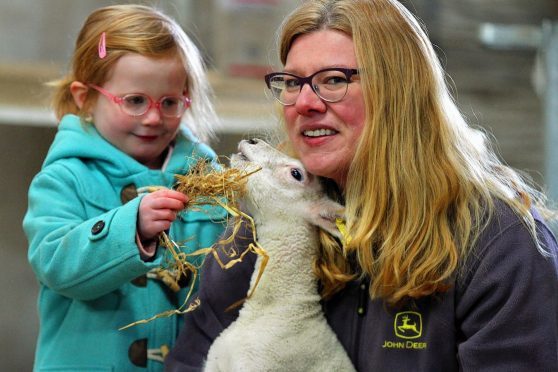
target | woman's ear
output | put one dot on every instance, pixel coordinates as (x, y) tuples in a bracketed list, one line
[(79, 92)]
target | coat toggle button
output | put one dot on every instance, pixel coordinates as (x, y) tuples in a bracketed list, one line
[(98, 227)]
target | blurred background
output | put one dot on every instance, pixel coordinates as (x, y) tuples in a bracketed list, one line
[(502, 56)]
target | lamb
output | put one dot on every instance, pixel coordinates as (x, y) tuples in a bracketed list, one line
[(282, 326)]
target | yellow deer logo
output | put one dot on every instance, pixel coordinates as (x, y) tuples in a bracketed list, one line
[(408, 325)]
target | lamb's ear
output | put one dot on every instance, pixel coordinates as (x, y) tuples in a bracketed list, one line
[(324, 214)]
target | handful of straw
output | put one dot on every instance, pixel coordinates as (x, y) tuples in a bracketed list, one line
[(205, 185)]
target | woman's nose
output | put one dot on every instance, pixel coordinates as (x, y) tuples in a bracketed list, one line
[(308, 100)]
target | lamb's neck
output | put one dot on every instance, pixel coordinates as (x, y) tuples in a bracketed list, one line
[(291, 254), (290, 246)]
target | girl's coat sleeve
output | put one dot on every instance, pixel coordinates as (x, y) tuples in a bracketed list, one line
[(77, 256)]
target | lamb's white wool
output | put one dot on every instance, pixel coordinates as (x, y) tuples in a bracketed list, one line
[(281, 327)]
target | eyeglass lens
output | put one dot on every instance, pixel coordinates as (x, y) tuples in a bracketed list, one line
[(139, 104), (329, 85)]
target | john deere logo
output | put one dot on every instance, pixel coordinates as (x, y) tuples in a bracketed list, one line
[(408, 325)]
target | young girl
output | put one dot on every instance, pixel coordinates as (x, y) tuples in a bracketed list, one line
[(93, 240)]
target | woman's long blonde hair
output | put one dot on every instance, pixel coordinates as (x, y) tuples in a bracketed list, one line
[(422, 183), (145, 31)]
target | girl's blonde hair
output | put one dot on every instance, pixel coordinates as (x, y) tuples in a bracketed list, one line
[(145, 31), (423, 183)]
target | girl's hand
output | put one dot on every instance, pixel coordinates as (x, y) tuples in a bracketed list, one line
[(157, 211)]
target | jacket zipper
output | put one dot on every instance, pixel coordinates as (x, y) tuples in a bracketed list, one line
[(361, 309)]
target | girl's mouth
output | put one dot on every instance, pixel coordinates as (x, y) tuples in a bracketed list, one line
[(147, 138)]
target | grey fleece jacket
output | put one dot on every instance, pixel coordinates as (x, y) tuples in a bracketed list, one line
[(500, 315)]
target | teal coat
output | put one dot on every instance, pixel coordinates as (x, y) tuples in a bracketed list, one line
[(82, 248)]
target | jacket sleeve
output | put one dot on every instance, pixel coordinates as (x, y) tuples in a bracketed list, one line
[(507, 312), (76, 256), (219, 289)]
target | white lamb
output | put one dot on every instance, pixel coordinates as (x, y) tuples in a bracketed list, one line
[(281, 327)]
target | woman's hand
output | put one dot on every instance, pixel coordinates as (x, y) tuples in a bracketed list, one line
[(157, 211)]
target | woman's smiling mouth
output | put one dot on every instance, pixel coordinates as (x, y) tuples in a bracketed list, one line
[(319, 132)]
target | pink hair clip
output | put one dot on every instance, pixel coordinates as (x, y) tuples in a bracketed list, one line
[(102, 46)]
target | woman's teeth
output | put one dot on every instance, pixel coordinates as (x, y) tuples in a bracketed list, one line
[(318, 132)]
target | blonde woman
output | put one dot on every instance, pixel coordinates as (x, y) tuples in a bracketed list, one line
[(449, 265), (130, 109)]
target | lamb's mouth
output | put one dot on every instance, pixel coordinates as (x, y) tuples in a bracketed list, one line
[(241, 156)]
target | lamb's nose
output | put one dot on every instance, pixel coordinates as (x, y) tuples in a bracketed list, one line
[(253, 141)]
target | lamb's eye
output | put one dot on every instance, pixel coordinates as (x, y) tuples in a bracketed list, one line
[(297, 174)]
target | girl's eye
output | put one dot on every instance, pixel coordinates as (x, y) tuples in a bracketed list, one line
[(297, 174), (135, 100), (170, 102)]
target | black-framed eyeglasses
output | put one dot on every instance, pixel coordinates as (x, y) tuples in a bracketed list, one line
[(137, 104), (330, 84)]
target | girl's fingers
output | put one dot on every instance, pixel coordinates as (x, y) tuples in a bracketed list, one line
[(165, 202), (171, 194), (159, 226), (162, 215)]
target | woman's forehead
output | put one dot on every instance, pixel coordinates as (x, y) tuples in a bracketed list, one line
[(320, 49)]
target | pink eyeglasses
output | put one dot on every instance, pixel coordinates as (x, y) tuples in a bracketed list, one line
[(136, 104)]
